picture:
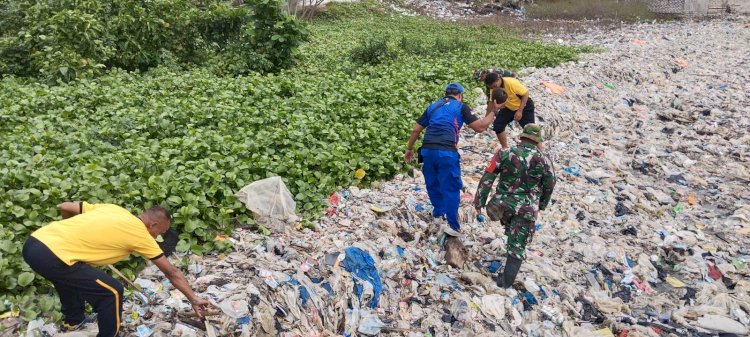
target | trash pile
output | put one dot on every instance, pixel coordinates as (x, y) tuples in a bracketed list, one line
[(648, 233), (457, 10)]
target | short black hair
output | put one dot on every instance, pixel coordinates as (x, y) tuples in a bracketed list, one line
[(453, 92), (491, 78), (499, 95), (159, 213)]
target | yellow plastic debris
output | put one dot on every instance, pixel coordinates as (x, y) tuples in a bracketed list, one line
[(377, 209), (359, 174), (675, 282), (9, 314), (606, 332)]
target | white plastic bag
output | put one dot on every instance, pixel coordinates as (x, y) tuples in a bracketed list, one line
[(270, 201)]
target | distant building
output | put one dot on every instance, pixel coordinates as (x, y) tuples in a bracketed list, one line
[(699, 7)]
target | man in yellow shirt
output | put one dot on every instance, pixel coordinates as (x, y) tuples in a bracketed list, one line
[(518, 106), (66, 253)]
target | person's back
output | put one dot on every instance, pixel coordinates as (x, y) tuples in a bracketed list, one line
[(443, 121), (522, 170), (102, 234)]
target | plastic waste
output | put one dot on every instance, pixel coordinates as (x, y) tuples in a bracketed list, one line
[(612, 244), (143, 331), (362, 266), (270, 201), (370, 325)]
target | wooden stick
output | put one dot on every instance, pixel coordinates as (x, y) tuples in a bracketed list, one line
[(208, 313), (124, 278)]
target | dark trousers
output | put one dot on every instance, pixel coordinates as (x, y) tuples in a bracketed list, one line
[(76, 285), (505, 116)]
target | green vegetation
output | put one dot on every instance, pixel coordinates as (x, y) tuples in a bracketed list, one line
[(189, 139), (68, 39)]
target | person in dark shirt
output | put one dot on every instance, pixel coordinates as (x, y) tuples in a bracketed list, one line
[(439, 152)]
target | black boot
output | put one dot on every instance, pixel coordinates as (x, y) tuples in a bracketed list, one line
[(512, 266)]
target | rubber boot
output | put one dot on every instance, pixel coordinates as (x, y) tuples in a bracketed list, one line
[(512, 266)]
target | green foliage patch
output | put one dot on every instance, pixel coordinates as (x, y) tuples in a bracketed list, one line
[(68, 39), (189, 139)]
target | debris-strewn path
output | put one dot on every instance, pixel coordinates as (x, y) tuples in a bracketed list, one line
[(648, 233)]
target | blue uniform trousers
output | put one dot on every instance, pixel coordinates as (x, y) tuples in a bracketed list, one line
[(442, 176)]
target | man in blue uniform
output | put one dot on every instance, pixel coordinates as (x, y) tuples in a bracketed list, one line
[(442, 172)]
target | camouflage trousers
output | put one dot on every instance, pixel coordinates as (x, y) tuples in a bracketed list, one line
[(519, 228)]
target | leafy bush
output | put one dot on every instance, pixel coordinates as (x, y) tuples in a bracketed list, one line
[(69, 39), (189, 139), (372, 51)]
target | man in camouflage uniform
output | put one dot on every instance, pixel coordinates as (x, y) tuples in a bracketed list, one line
[(525, 187)]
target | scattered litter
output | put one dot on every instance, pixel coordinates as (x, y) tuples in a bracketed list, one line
[(647, 233)]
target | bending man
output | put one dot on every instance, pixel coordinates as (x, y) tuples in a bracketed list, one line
[(65, 253), (526, 183), (518, 106), (442, 170)]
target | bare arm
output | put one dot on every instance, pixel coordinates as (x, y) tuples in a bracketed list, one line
[(482, 124), (178, 280), (519, 112), (408, 156), (69, 209)]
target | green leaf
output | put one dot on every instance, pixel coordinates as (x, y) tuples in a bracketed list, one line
[(25, 278)]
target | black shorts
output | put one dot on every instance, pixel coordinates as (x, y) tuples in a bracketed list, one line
[(505, 117)]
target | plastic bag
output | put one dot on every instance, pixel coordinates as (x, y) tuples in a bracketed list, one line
[(270, 201)]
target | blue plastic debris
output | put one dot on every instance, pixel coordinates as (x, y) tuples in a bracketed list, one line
[(304, 296), (538, 227), (573, 170), (291, 281), (481, 218), (328, 288), (243, 320), (543, 293), (143, 331), (419, 207), (495, 266), (529, 298), (361, 265), (400, 251)]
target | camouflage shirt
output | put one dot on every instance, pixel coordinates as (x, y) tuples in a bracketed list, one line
[(526, 181)]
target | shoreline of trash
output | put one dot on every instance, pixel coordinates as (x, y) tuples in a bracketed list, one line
[(648, 233)]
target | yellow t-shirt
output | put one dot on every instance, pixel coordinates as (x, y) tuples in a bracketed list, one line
[(102, 234), (514, 88)]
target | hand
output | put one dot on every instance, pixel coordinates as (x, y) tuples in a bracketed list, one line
[(409, 156), (492, 106), (518, 115), (199, 305)]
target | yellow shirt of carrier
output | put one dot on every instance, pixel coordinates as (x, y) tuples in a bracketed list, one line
[(514, 88), (102, 234)]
